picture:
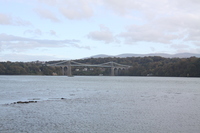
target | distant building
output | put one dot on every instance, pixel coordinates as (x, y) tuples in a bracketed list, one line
[(77, 70), (150, 74), (102, 69), (85, 69), (54, 74)]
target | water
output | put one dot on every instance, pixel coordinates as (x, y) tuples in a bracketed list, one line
[(99, 104)]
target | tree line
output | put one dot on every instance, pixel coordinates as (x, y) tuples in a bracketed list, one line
[(140, 66)]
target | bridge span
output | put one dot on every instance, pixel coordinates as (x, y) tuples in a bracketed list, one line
[(67, 64)]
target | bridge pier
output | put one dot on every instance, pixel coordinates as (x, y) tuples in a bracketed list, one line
[(69, 71), (112, 71), (63, 70), (116, 69)]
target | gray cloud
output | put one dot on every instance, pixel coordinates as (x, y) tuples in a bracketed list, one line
[(36, 32), (44, 13), (76, 9), (179, 46), (9, 20), (148, 33), (82, 12), (71, 9), (52, 32), (81, 47), (166, 29), (39, 33), (122, 7), (197, 43), (163, 21), (29, 57), (16, 43), (5, 19), (103, 35)]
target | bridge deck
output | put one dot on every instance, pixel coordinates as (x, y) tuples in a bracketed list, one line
[(69, 64)]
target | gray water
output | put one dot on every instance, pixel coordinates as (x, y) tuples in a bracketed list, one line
[(99, 104)]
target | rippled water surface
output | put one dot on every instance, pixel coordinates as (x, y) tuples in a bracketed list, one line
[(99, 104)]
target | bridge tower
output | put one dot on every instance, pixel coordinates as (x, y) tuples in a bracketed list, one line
[(112, 69), (66, 67), (63, 70), (69, 71)]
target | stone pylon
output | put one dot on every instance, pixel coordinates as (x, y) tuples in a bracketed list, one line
[(69, 71), (112, 69)]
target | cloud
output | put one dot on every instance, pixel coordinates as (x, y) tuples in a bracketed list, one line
[(183, 48), (44, 13), (152, 49), (153, 8), (179, 46), (9, 20), (76, 12), (162, 21), (81, 47), (193, 35), (197, 43), (36, 32), (52, 32), (19, 44), (5, 19), (39, 33), (147, 33), (166, 25), (104, 35), (122, 7), (72, 9), (29, 57), (79, 9)]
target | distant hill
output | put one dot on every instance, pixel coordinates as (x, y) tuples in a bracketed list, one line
[(179, 55), (101, 56)]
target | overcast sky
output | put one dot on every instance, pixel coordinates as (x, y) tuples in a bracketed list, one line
[(45, 30)]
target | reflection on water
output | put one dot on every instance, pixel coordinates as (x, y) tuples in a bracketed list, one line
[(99, 104)]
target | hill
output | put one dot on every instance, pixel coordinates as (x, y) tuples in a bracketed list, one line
[(140, 66), (179, 55)]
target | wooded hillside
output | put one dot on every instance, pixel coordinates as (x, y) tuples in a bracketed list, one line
[(140, 66)]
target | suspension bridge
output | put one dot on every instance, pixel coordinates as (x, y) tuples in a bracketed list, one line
[(66, 65)]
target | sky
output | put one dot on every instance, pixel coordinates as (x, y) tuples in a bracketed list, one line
[(47, 30)]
